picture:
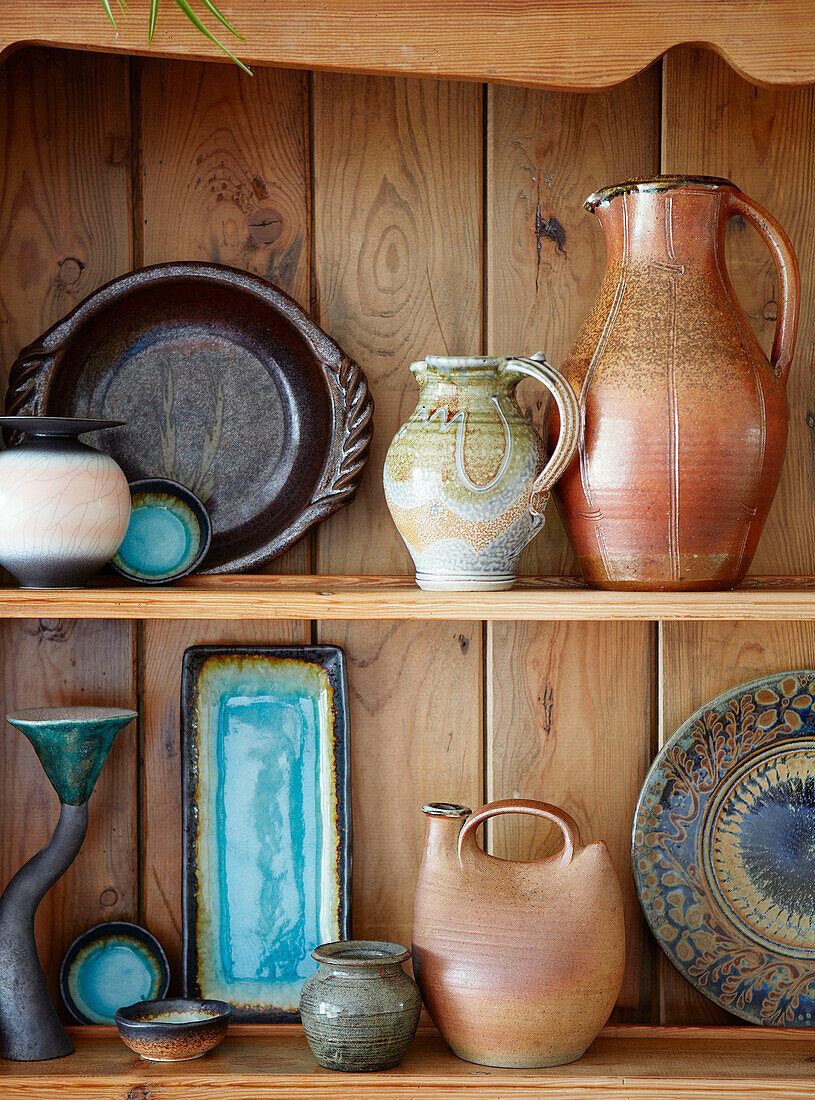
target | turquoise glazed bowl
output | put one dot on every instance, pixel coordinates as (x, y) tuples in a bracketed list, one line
[(110, 965), (175, 1030), (360, 1010), (168, 535)]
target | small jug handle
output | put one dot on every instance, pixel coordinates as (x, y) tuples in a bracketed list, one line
[(789, 276), (569, 411), (567, 825)]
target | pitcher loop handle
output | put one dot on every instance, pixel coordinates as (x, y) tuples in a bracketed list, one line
[(567, 825), (789, 276), (569, 411)]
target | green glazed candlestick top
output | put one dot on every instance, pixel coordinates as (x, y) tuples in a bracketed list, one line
[(72, 744)]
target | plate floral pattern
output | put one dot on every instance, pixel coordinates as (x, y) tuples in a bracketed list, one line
[(723, 849)]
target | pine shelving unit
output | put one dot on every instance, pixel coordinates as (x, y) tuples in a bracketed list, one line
[(408, 215)]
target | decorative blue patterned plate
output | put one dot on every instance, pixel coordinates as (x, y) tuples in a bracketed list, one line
[(111, 965), (168, 535), (267, 821), (723, 849)]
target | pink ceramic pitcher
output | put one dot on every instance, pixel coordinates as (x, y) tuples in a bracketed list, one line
[(518, 963)]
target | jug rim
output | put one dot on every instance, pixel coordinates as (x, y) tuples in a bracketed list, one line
[(361, 953), (445, 364), (446, 809), (653, 183)]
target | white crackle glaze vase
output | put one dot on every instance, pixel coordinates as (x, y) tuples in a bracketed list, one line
[(466, 478), (64, 506)]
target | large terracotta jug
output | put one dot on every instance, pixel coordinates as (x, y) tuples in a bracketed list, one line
[(519, 964), (683, 420)]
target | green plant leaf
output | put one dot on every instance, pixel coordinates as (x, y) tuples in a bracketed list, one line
[(222, 18), (108, 11), (196, 22), (151, 27)]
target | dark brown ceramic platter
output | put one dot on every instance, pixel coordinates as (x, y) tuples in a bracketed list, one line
[(225, 385)]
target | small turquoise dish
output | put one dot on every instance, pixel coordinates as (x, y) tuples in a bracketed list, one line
[(109, 966), (723, 849), (168, 535), (267, 821)]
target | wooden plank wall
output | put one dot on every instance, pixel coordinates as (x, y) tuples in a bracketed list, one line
[(410, 217)]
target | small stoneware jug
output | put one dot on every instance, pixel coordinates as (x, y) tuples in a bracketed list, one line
[(466, 478), (683, 419), (360, 1010), (519, 963)]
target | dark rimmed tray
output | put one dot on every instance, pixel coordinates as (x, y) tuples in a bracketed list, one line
[(225, 385), (267, 821)]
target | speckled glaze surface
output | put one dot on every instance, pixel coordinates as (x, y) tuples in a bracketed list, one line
[(466, 478), (72, 744), (64, 506), (174, 1030), (519, 963), (267, 821), (360, 1010), (723, 849), (683, 420), (109, 965)]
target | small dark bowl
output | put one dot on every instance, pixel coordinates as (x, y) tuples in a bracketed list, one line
[(166, 496), (148, 1028)]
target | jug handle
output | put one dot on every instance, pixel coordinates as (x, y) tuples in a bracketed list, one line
[(569, 411), (567, 825), (789, 276)]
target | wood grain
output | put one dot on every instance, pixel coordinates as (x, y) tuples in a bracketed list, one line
[(163, 646), (397, 208), (700, 660), (717, 124), (64, 229), (546, 152), (264, 1063), (560, 44), (224, 178), (570, 720), (64, 187), (55, 662), (383, 597), (415, 737)]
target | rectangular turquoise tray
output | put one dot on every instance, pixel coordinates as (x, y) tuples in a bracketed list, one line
[(267, 821)]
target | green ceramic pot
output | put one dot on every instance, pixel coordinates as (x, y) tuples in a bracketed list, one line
[(360, 1010)]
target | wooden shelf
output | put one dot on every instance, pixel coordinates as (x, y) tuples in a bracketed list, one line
[(274, 1063), (575, 45), (329, 597)]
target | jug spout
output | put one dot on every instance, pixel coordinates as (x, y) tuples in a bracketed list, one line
[(444, 821)]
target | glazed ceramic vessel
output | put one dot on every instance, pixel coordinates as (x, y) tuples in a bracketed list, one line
[(174, 1030), (168, 535), (360, 1010), (683, 419), (64, 506), (466, 478), (112, 964), (72, 744), (266, 873), (519, 963)]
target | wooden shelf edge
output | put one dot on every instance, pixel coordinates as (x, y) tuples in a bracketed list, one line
[(349, 598), (570, 45), (260, 1063)]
